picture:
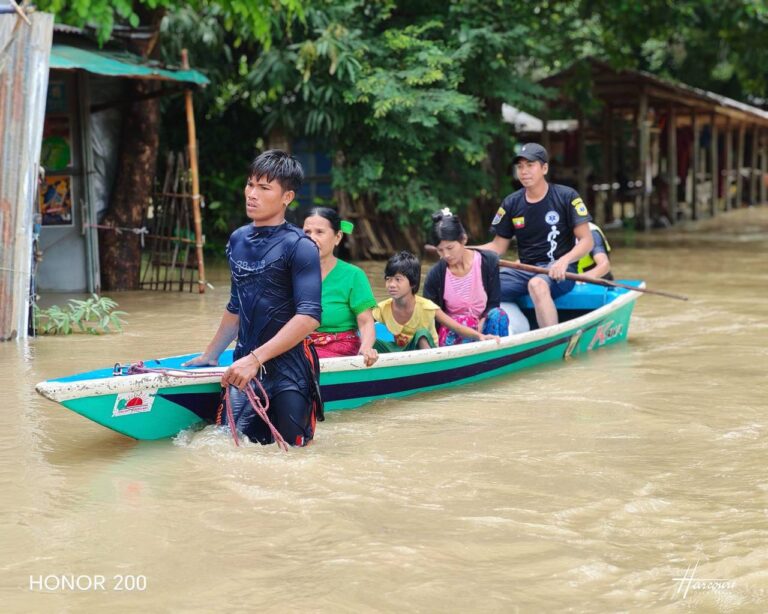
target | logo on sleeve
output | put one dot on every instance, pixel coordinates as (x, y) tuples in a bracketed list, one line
[(581, 208), (552, 218), (519, 222), (497, 218)]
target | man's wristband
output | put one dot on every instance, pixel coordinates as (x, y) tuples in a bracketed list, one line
[(253, 353)]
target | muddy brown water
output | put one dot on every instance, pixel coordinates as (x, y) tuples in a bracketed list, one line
[(632, 479)]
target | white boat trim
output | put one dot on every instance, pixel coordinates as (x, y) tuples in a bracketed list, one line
[(65, 391)]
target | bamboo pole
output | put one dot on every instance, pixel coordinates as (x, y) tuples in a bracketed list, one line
[(644, 142), (597, 281), (753, 166), (672, 162), (714, 165), (763, 166), (606, 214), (581, 139), (695, 166), (728, 174), (198, 221), (740, 143), (20, 12)]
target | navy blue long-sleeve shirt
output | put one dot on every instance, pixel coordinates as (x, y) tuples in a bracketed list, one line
[(275, 276)]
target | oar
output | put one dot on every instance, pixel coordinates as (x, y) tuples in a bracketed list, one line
[(576, 277), (589, 280)]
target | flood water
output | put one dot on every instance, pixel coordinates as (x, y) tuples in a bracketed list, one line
[(588, 486)]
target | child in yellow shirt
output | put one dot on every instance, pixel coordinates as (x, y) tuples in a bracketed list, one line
[(410, 318)]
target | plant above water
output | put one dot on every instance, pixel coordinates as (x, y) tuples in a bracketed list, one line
[(95, 315)]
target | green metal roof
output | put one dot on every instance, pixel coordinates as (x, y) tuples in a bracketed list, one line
[(118, 64)]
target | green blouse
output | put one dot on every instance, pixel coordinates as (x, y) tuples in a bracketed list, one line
[(346, 294)]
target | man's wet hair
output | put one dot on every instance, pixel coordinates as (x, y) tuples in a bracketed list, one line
[(407, 265), (277, 165)]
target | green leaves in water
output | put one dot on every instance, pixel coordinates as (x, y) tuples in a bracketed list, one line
[(96, 315)]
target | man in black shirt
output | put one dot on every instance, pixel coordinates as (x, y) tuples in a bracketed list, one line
[(546, 219)]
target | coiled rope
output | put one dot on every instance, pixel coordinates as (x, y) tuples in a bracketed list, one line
[(259, 406)]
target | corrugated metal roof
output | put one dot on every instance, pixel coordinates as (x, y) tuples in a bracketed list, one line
[(118, 64), (62, 28), (665, 88)]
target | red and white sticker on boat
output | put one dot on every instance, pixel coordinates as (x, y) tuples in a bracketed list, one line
[(134, 402)]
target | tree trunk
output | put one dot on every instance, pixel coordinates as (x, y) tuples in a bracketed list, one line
[(120, 253), (496, 165)]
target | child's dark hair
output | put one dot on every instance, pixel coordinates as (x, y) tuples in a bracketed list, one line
[(329, 214), (407, 265), (446, 227), (277, 165)]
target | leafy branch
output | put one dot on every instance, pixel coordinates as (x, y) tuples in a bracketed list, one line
[(95, 316)]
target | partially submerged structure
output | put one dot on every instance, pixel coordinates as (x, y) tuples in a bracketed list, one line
[(653, 151), (81, 139), (61, 110)]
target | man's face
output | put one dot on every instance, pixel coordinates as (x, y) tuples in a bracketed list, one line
[(265, 201), (530, 173)]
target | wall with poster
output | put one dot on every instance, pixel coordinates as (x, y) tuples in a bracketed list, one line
[(64, 267)]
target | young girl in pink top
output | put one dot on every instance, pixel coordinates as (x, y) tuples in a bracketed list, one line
[(465, 283)]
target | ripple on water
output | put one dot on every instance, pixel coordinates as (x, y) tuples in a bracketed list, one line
[(582, 486)]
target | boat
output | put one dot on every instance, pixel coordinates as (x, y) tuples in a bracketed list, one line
[(159, 405)]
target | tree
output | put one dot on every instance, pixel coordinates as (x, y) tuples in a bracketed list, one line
[(120, 254), (407, 96)]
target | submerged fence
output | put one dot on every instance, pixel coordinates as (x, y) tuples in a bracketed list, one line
[(25, 48)]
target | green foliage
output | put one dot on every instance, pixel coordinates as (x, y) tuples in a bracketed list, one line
[(409, 96), (95, 315), (712, 44), (406, 96), (251, 18)]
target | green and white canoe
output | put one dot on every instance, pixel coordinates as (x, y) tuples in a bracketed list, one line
[(156, 406)]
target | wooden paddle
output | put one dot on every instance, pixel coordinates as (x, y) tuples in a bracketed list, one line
[(597, 281), (589, 280)]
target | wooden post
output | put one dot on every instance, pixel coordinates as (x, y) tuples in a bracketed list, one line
[(714, 166), (93, 273), (740, 164), (608, 163), (695, 166), (728, 174), (545, 130), (672, 162), (644, 159), (582, 157), (753, 166), (197, 218), (763, 140)]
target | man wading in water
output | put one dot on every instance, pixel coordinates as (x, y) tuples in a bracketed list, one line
[(274, 304), (546, 219)]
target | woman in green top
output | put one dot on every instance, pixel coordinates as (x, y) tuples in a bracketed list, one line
[(347, 296)]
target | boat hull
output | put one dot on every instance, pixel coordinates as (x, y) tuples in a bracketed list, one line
[(157, 406)]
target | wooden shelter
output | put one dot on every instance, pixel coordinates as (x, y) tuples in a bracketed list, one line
[(86, 103), (655, 151)]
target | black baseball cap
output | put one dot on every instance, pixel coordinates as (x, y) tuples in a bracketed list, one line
[(533, 152)]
